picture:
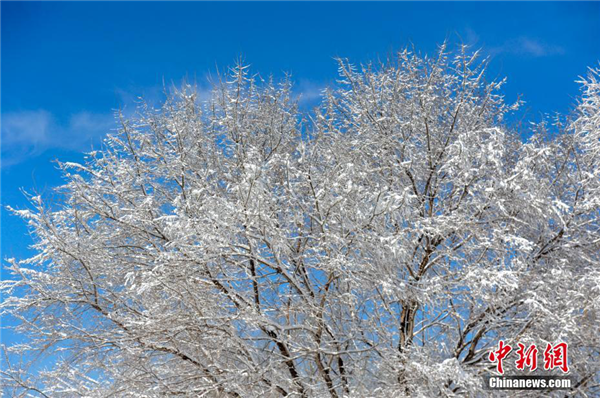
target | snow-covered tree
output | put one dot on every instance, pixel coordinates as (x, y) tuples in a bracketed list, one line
[(380, 245)]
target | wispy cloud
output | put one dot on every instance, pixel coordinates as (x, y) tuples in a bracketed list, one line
[(468, 37), (309, 92), (28, 134), (527, 46)]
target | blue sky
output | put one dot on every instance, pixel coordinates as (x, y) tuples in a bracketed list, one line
[(66, 66)]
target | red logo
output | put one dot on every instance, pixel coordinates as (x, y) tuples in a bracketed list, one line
[(555, 356), (500, 354), (527, 357)]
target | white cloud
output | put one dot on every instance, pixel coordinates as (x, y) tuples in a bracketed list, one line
[(309, 93), (28, 134), (468, 36), (527, 46)]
